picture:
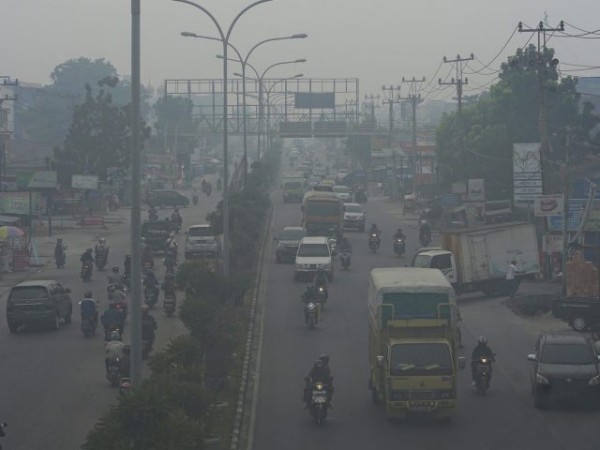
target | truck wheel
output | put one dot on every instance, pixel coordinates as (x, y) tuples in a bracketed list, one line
[(579, 324)]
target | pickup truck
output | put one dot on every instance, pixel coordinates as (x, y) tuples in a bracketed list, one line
[(581, 313)]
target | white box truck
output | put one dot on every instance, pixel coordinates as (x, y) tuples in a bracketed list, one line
[(476, 259)]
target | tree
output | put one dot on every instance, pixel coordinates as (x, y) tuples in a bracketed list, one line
[(99, 137), (482, 147), (44, 114), (173, 113)]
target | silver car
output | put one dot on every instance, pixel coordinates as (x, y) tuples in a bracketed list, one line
[(201, 240)]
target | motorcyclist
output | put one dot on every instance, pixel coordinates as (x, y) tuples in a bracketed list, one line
[(148, 326), (115, 294), (127, 267), (345, 246), (113, 318), (115, 276), (482, 350), (87, 256), (424, 232), (113, 349), (150, 280), (101, 249), (168, 285), (400, 234), (59, 251), (125, 362), (318, 373), (147, 257), (176, 217), (324, 358), (320, 278), (89, 308), (171, 246), (152, 214), (170, 263)]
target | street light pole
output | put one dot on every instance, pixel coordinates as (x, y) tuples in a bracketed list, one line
[(244, 62), (136, 253), (225, 40)]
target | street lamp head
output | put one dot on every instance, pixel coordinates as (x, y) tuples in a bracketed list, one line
[(188, 34), (299, 75), (300, 60), (299, 36), (238, 74), (219, 56)]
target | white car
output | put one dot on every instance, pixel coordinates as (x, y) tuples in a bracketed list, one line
[(355, 216), (341, 174), (313, 253), (343, 192), (201, 241)]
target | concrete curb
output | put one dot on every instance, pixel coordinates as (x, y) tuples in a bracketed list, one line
[(248, 354)]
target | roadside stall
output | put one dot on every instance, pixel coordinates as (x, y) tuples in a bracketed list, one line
[(14, 252)]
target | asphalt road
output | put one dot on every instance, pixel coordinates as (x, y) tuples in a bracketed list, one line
[(504, 419), (54, 387)]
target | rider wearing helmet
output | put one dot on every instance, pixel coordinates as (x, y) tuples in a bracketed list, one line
[(399, 234), (87, 256), (113, 348), (374, 230), (345, 245), (89, 308), (114, 277), (480, 351), (113, 318), (320, 278), (148, 326)]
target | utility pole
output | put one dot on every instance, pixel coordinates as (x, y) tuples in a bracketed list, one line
[(541, 63), (370, 103), (391, 101), (414, 98), (565, 218)]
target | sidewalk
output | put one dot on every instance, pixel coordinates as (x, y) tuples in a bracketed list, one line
[(76, 237)]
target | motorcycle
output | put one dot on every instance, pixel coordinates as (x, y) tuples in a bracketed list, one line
[(151, 295), (345, 260), (88, 326), (124, 385), (318, 405), (176, 223), (374, 242), (322, 294), (113, 373), (311, 314), (169, 305), (399, 246), (109, 330), (170, 264), (86, 271), (101, 258), (483, 374)]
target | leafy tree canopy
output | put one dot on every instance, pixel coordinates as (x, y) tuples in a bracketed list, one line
[(478, 144)]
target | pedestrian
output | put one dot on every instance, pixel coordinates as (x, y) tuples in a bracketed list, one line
[(511, 280)]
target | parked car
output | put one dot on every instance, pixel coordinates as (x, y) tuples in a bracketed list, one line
[(288, 242), (201, 240), (355, 216), (38, 302), (565, 368), (580, 313), (166, 197), (313, 253)]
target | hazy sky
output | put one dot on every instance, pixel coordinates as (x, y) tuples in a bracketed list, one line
[(378, 41)]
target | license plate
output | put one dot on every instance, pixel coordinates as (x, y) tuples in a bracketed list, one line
[(319, 397), (424, 409)]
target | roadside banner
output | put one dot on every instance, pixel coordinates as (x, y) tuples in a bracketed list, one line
[(527, 172), (84, 182), (548, 205)]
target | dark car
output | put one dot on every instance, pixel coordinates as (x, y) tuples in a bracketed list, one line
[(155, 233), (38, 302), (565, 369), (288, 241), (579, 312), (166, 197)]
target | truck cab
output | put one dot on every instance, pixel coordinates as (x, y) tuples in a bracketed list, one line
[(442, 260)]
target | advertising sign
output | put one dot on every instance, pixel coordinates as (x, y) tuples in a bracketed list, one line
[(459, 187), (18, 202), (527, 172), (309, 100), (576, 210), (476, 190), (84, 182), (548, 205)]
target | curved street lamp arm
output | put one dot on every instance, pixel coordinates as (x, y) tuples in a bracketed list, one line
[(264, 42), (279, 64), (209, 14), (211, 38), (240, 14)]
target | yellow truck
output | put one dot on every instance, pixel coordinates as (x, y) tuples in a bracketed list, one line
[(322, 214), (413, 342)]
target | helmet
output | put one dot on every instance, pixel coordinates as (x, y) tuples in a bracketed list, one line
[(114, 336), (324, 358), (59, 240), (88, 294), (318, 364), (145, 309), (482, 340), (102, 240), (115, 269)]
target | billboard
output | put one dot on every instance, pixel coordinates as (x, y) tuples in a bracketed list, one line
[(527, 171), (311, 100), (84, 182), (476, 190), (548, 205), (18, 202)]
